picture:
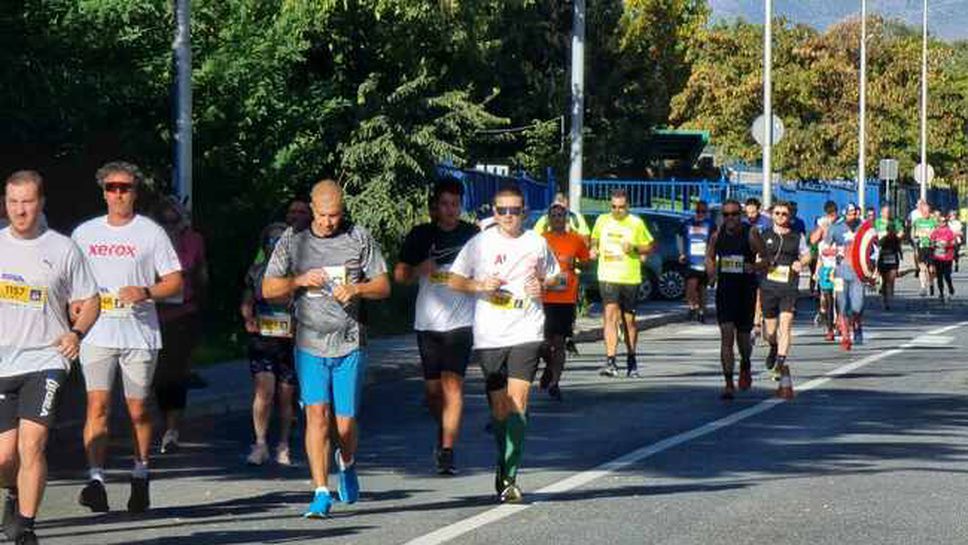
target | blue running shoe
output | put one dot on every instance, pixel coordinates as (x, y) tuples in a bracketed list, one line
[(320, 506), (858, 336), (348, 489)]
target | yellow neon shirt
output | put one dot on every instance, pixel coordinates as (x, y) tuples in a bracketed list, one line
[(609, 235)]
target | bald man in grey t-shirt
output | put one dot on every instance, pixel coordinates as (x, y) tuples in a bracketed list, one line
[(328, 268)]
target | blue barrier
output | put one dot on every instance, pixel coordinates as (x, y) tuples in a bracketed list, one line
[(480, 187), (658, 195), (944, 200)]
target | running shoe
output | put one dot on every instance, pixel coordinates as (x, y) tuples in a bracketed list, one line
[(94, 497), (845, 343), (139, 500), (571, 348), (10, 526), (932, 290), (858, 336), (727, 394), (631, 367), (701, 318), (27, 537), (258, 455), (511, 493), (283, 456), (554, 391), (610, 370), (923, 292), (169, 442), (829, 336), (444, 459), (320, 506), (745, 380), (348, 487), (771, 357)]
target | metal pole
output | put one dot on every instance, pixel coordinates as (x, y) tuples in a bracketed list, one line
[(181, 47), (862, 155), (924, 101), (577, 104), (768, 106)]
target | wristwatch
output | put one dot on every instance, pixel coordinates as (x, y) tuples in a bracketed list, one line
[(80, 334)]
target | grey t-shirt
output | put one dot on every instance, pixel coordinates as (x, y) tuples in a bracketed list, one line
[(39, 278), (324, 327)]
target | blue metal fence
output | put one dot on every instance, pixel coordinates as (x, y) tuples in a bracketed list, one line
[(660, 195), (480, 187)]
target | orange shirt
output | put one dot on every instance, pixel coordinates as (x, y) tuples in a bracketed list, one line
[(568, 247)]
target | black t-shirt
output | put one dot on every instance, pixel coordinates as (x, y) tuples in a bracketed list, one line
[(427, 241)]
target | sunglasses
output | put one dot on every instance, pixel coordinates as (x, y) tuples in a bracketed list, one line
[(731, 214), (508, 210), (557, 215), (115, 187), (623, 207), (782, 214)]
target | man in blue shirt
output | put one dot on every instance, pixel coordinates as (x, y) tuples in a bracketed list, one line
[(692, 240)]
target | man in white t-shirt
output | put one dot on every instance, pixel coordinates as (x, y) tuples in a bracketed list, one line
[(134, 264), (41, 273), (508, 270)]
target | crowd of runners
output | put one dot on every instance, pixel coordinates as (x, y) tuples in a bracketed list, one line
[(118, 295)]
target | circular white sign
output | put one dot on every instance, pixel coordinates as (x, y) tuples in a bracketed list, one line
[(759, 130), (918, 176)]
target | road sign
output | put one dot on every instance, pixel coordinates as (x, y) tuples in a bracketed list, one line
[(888, 169), (759, 130), (919, 177)]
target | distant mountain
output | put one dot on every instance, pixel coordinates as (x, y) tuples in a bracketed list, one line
[(947, 19)]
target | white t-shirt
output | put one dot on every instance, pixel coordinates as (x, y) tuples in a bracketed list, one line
[(134, 254), (510, 317), (39, 278)]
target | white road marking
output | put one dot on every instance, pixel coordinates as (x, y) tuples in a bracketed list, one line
[(577, 480)]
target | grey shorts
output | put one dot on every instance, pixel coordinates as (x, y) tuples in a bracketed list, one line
[(100, 365)]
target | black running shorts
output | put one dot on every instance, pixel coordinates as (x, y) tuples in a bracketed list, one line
[(444, 351), (559, 319), (31, 396), (736, 304), (624, 295), (499, 364), (273, 355), (776, 301)]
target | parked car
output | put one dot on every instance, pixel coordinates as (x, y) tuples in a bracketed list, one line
[(662, 274)]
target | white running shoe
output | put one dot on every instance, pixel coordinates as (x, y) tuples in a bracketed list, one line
[(169, 442), (259, 455), (283, 457)]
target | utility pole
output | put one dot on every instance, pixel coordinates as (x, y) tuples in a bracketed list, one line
[(924, 101), (181, 47), (577, 104), (768, 106), (862, 155)]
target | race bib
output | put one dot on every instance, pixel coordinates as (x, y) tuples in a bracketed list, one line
[(20, 294), (889, 259), (335, 277), (838, 285), (505, 300), (731, 264), (559, 283), (697, 248), (941, 251), (780, 274), (113, 307), (275, 324)]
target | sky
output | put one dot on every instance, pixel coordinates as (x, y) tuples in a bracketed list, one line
[(947, 19)]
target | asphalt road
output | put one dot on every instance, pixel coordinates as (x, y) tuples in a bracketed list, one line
[(873, 449)]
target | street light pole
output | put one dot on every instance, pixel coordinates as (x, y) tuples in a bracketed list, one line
[(862, 155), (181, 47), (924, 101), (577, 104), (768, 106)]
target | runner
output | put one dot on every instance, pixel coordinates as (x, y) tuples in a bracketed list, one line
[(922, 225), (619, 240), (890, 233), (42, 273), (943, 242), (848, 288), (507, 268), (796, 223), (693, 240), (825, 271), (561, 298), (731, 260), (575, 223), (270, 327), (761, 221), (443, 317), (786, 255), (328, 269), (958, 228), (127, 252)]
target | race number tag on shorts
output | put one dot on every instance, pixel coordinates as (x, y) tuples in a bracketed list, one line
[(275, 324), (505, 300), (838, 285), (20, 294), (697, 248), (779, 273), (732, 264), (113, 307)]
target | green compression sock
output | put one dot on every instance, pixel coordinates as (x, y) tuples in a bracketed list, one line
[(499, 427), (516, 425)]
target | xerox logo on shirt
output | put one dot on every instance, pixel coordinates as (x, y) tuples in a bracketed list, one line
[(112, 250)]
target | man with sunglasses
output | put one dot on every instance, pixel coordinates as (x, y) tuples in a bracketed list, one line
[(692, 241), (442, 317), (786, 254), (731, 262), (619, 240), (507, 269), (134, 264), (848, 288), (328, 269)]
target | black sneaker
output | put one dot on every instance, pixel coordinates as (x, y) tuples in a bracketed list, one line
[(571, 348), (139, 501), (94, 497), (10, 509), (554, 391), (27, 537), (701, 317), (444, 457)]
